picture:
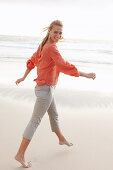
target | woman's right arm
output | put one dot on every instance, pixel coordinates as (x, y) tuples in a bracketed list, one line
[(23, 78), (31, 63)]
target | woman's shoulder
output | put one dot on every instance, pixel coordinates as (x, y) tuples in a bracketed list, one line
[(51, 46)]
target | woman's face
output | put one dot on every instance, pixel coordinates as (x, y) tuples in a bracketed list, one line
[(55, 33)]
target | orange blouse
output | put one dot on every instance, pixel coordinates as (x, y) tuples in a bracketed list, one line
[(49, 64)]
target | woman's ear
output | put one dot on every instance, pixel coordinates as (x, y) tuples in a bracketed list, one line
[(48, 30)]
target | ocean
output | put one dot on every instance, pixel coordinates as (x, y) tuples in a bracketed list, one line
[(80, 51)]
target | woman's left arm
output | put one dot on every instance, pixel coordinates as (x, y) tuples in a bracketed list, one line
[(65, 66)]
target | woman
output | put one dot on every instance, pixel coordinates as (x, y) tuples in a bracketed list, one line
[(49, 64)]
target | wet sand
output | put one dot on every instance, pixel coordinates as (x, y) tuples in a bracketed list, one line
[(86, 120)]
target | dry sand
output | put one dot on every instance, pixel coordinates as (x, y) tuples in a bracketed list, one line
[(88, 128)]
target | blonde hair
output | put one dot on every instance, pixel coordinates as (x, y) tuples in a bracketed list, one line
[(56, 22)]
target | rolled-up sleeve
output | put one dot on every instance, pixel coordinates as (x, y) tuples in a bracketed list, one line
[(63, 66), (32, 62)]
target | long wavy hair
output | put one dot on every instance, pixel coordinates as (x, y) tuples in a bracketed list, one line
[(56, 22)]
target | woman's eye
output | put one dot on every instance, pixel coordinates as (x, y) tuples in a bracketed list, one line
[(55, 32)]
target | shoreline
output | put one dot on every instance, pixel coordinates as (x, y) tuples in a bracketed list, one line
[(66, 97)]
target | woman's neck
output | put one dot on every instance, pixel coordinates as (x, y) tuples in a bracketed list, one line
[(50, 41)]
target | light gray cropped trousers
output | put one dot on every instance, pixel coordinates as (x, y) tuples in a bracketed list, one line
[(44, 102)]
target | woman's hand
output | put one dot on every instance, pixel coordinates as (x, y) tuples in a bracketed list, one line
[(87, 75), (91, 76), (19, 80)]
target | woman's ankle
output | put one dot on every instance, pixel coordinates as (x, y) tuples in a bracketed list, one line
[(20, 154)]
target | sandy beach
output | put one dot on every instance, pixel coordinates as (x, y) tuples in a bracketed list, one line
[(86, 120)]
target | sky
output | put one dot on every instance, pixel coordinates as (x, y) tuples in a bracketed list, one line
[(82, 19)]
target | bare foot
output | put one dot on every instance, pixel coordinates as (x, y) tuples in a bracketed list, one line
[(65, 142), (22, 161)]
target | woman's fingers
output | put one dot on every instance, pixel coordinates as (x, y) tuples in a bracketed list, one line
[(92, 75), (18, 81)]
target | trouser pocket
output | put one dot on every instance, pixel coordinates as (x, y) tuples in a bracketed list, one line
[(42, 91)]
